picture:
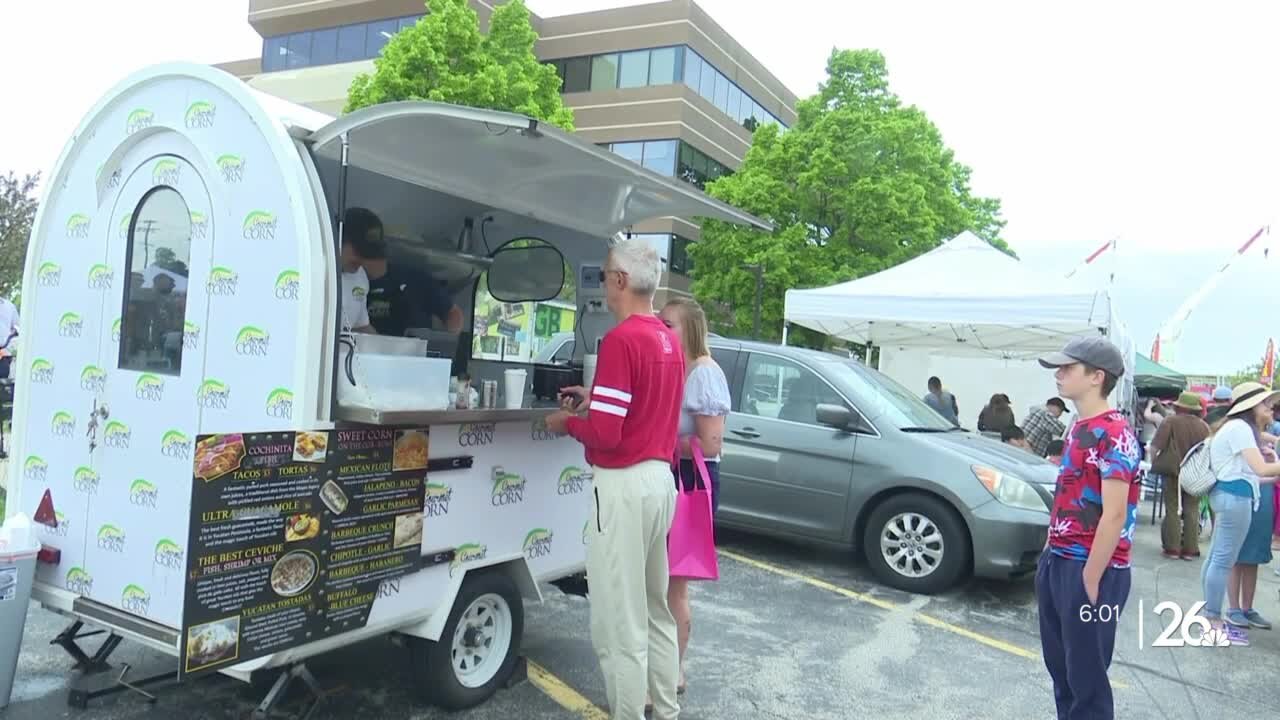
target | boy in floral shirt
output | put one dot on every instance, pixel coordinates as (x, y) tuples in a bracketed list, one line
[(1082, 581)]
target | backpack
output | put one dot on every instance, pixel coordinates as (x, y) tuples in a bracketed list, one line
[(1195, 473)]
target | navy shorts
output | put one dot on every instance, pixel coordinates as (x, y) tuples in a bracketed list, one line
[(689, 477)]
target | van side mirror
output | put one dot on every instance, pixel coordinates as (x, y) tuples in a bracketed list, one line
[(836, 416)]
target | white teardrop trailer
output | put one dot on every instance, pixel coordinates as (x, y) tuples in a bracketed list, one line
[(181, 307)]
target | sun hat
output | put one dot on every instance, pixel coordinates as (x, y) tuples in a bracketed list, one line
[(1248, 395), (1188, 400)]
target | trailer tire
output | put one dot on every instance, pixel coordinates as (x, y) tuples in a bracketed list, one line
[(478, 646)]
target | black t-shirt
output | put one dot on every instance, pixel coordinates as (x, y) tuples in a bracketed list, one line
[(405, 298)]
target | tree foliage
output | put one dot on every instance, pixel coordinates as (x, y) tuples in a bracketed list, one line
[(445, 58), (1250, 373), (18, 205), (860, 183)]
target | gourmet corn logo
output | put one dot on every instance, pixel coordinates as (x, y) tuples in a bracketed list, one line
[(222, 281), (174, 444), (359, 292), (111, 539), (100, 277), (114, 181), (35, 469), (79, 581), (199, 225), (149, 387), (537, 544), (115, 331), (135, 600), (213, 395), (41, 371), (573, 480), (539, 432), (116, 435), (252, 341), (61, 525), (287, 285), (280, 404), (190, 335), (166, 172), (200, 115), (49, 274), (470, 552), (139, 119), (232, 167), (86, 480), (93, 378), (168, 555), (124, 225), (476, 434), (63, 424), (508, 488), (259, 225), (78, 226), (143, 494), (438, 497), (70, 325)]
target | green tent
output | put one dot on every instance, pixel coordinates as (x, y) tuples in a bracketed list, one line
[(1152, 378)]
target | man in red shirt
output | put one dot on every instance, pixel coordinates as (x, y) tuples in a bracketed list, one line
[(628, 426)]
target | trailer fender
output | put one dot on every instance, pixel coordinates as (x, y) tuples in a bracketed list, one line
[(514, 565)]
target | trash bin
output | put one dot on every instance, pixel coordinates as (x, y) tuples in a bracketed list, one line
[(18, 550)]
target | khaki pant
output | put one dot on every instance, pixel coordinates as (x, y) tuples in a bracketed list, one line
[(1180, 534), (632, 629)]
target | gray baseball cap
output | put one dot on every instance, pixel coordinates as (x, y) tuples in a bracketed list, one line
[(1092, 350)]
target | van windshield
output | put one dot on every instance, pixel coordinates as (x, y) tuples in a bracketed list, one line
[(881, 398)]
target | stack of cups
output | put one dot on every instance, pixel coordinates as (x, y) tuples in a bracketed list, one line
[(588, 370), (513, 386)]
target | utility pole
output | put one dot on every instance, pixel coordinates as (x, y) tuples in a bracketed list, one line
[(146, 242), (758, 271)]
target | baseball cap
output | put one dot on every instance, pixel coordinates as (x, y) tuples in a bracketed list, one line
[(1222, 393), (1092, 350)]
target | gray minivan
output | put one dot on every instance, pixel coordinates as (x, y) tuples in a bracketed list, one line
[(824, 450)]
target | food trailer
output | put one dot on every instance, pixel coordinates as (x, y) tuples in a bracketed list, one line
[(224, 473)]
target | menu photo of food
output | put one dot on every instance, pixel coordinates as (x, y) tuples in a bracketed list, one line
[(294, 573), (218, 455), (303, 526), (333, 497), (408, 531), (411, 450), (312, 447), (213, 642)]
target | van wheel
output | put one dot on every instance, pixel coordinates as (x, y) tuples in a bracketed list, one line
[(917, 543), (478, 647)]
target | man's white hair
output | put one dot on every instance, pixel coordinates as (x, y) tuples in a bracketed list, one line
[(640, 261)]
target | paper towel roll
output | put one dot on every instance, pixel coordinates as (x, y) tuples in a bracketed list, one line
[(588, 370)]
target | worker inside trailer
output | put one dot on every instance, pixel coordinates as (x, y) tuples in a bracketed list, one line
[(399, 297)]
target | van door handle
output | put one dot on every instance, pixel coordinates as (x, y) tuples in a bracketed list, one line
[(746, 433)]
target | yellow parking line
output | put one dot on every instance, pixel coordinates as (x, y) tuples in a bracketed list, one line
[(565, 696), (920, 617)]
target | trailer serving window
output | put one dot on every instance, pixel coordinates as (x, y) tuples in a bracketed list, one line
[(155, 299)]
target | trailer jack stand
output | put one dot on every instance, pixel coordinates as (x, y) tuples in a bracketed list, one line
[(79, 696), (266, 709), (84, 663)]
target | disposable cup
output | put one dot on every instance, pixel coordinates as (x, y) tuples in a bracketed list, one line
[(513, 388)]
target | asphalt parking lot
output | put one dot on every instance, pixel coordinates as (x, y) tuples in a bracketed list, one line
[(786, 633)]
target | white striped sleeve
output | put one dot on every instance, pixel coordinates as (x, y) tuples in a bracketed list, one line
[(611, 393), (609, 408)]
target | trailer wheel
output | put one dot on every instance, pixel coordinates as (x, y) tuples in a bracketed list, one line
[(478, 647)]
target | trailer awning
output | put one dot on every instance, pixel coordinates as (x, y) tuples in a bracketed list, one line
[(513, 163)]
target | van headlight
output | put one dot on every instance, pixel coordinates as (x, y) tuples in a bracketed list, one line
[(1009, 489)]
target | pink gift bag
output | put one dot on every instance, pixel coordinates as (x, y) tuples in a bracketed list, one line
[(691, 544)]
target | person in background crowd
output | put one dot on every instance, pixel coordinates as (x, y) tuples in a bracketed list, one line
[(1218, 405), (1054, 453), (1087, 553), (997, 415), (1242, 584), (1042, 425), (1014, 436), (8, 331), (706, 404), (1178, 434), (1241, 470), (629, 430), (1151, 417), (942, 401)]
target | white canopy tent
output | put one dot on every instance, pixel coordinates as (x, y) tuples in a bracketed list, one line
[(960, 312)]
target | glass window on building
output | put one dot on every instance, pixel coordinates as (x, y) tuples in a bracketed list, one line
[(661, 242), (679, 258), (324, 47), (379, 35), (633, 151), (273, 52), (406, 22), (660, 156), (662, 66), (577, 74), (722, 92), (299, 50), (351, 43), (735, 102), (692, 69), (707, 83), (634, 69), (604, 72)]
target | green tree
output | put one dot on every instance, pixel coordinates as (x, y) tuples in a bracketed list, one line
[(18, 205), (860, 183), (445, 58), (1251, 373)]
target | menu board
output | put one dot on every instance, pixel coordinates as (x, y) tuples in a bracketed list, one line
[(293, 535)]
